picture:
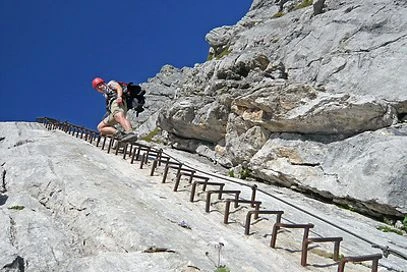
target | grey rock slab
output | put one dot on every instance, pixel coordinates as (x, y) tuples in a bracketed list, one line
[(316, 102), (82, 205), (359, 232), (372, 173)]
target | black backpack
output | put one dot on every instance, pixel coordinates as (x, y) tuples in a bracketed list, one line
[(134, 96)]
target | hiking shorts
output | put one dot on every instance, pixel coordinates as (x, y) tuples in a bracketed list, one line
[(115, 108)]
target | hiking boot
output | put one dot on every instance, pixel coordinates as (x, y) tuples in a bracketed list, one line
[(129, 136), (119, 135)]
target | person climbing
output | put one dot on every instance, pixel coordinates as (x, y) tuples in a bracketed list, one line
[(116, 110)]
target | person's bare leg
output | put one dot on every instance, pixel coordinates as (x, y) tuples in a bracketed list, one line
[(122, 120), (105, 129)]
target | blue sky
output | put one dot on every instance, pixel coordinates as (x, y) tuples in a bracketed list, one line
[(51, 49)]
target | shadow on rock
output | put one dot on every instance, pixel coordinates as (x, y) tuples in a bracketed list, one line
[(3, 199)]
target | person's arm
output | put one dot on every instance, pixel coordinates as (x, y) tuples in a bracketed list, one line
[(118, 89)]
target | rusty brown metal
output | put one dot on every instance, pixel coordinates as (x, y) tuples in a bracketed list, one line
[(140, 148), (157, 162), (144, 159), (99, 137), (91, 136), (104, 142), (205, 183), (149, 154), (237, 201), (133, 154), (185, 172), (167, 168), (118, 144), (177, 167), (254, 189), (220, 193), (277, 226), (256, 213), (110, 144), (307, 241), (161, 157), (126, 149), (373, 257)]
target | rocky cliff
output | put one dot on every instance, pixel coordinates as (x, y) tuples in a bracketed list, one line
[(309, 96), (68, 204)]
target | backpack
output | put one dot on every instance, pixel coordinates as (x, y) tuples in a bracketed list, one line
[(134, 96)]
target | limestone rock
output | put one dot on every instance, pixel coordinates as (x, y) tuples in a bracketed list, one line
[(331, 72), (219, 37), (72, 207), (198, 118), (367, 171)]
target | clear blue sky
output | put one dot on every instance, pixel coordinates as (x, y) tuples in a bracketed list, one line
[(51, 49)]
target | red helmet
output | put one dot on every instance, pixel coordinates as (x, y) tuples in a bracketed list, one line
[(96, 81)]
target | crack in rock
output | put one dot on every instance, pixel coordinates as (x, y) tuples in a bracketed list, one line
[(16, 266), (381, 45), (3, 188), (154, 249), (12, 231), (305, 164), (22, 142)]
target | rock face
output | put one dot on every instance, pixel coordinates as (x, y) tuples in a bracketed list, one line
[(312, 97), (65, 205)]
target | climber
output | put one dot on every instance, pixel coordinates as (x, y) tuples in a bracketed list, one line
[(116, 111)]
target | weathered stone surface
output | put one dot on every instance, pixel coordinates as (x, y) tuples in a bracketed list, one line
[(72, 207), (198, 118), (302, 109), (370, 177), (328, 71), (218, 37)]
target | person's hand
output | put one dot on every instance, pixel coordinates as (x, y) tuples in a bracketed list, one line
[(119, 100)]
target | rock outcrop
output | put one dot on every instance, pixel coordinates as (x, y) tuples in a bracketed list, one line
[(307, 96), (67, 205)]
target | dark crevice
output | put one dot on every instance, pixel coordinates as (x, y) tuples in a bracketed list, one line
[(380, 45), (16, 265), (154, 249), (402, 117), (3, 188), (3, 199), (44, 202), (306, 164), (22, 142)]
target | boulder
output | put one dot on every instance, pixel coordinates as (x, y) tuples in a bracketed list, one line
[(331, 73)]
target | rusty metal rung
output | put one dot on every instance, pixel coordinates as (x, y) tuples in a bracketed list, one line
[(237, 201), (219, 192), (139, 148), (191, 175), (179, 168), (256, 214), (205, 183), (277, 226), (373, 257), (307, 241), (156, 162)]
